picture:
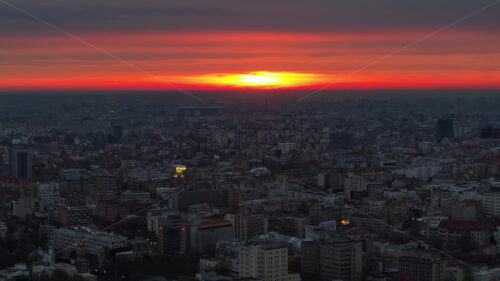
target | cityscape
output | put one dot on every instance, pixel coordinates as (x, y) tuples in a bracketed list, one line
[(152, 186), (219, 140)]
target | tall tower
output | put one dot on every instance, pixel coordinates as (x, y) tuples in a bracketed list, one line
[(20, 161), (171, 234), (444, 129)]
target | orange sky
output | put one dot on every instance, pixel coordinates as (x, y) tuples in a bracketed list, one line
[(454, 59)]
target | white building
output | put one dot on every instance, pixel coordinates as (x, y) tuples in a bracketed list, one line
[(325, 226), (48, 195), (354, 184), (490, 202), (68, 239), (268, 262), (421, 172), (286, 147)]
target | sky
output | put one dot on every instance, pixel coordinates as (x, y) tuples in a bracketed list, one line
[(230, 44)]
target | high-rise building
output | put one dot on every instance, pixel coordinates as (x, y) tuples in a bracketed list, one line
[(172, 234), (422, 265), (337, 257), (444, 129), (107, 206), (117, 129), (153, 217), (491, 201), (48, 195), (268, 262), (20, 161), (489, 132)]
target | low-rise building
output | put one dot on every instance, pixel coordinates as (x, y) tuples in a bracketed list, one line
[(421, 265)]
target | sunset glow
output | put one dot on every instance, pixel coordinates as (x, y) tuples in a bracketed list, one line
[(259, 60), (260, 79)]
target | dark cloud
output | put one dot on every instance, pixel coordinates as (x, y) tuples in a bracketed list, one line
[(221, 15)]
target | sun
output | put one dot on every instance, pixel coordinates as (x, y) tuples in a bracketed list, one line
[(257, 78), (260, 79), (251, 80)]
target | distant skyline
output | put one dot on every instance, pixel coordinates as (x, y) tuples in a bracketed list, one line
[(243, 45)]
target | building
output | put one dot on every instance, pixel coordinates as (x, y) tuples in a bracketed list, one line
[(247, 226), (48, 196), (73, 216), (139, 248), (286, 147), (342, 140), (40, 271), (456, 232), (444, 129), (489, 132), (203, 235), (354, 185), (67, 240), (268, 262), (421, 172), (337, 257), (214, 198), (290, 225), (195, 113), (210, 264), (172, 234), (422, 265), (20, 163), (491, 201), (153, 216), (118, 132), (14, 273), (105, 181), (214, 276), (237, 196), (107, 206), (297, 192), (135, 197), (315, 231)]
